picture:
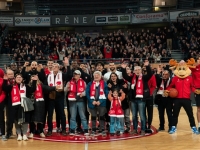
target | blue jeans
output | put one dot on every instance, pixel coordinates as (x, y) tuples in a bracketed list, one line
[(116, 124), (138, 105), (73, 106)]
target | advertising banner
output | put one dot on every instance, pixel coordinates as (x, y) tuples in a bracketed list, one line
[(150, 17), (73, 20), (32, 21), (6, 20), (113, 19), (183, 14)]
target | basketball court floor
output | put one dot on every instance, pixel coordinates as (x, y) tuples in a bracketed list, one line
[(182, 140)]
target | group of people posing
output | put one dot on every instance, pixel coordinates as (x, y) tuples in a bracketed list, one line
[(106, 95)]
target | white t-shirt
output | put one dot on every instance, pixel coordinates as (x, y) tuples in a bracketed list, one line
[(107, 75)]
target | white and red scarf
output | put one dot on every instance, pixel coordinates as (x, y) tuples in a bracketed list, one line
[(76, 89), (162, 88), (138, 85), (93, 89), (55, 81), (17, 93), (38, 93), (116, 109)]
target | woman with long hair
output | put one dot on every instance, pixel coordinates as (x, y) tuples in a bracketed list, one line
[(18, 91), (115, 83), (38, 114)]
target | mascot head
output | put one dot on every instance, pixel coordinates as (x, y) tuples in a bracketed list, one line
[(182, 69)]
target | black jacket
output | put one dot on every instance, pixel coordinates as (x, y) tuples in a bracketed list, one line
[(145, 79)]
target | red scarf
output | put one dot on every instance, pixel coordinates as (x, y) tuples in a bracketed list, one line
[(139, 86), (116, 109), (161, 88), (46, 71), (11, 81), (76, 89), (38, 93), (93, 89), (16, 94)]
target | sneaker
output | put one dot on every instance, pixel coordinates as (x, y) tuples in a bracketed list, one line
[(25, 138), (172, 130), (199, 129), (103, 133), (127, 130), (79, 131), (30, 135), (3, 137), (118, 133), (160, 129), (86, 132), (42, 135), (148, 131), (72, 132), (49, 133), (8, 135), (58, 130), (112, 134), (142, 133), (64, 133), (134, 132), (194, 130), (19, 137), (93, 133)]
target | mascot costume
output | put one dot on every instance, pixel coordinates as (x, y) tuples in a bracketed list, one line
[(183, 83)]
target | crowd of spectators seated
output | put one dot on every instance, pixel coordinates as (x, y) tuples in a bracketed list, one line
[(187, 37), (156, 46)]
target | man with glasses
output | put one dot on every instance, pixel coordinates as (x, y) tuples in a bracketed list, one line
[(164, 103)]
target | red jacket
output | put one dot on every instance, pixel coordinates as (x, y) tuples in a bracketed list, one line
[(152, 84), (108, 54), (2, 93), (183, 86), (196, 76)]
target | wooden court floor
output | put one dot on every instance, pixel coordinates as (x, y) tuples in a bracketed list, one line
[(182, 140)]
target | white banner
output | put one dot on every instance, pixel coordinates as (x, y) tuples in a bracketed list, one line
[(32, 21), (181, 14), (150, 17), (6, 20)]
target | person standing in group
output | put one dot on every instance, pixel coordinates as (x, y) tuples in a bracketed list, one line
[(8, 103), (140, 93), (18, 91), (2, 105), (196, 82), (183, 83), (164, 103), (56, 98), (149, 102), (76, 88), (97, 92), (116, 112)]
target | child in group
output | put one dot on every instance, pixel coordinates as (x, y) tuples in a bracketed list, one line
[(116, 112)]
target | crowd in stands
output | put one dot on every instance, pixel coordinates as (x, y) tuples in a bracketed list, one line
[(132, 46), (187, 37)]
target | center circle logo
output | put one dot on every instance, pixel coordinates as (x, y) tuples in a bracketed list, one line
[(17, 21), (38, 20)]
